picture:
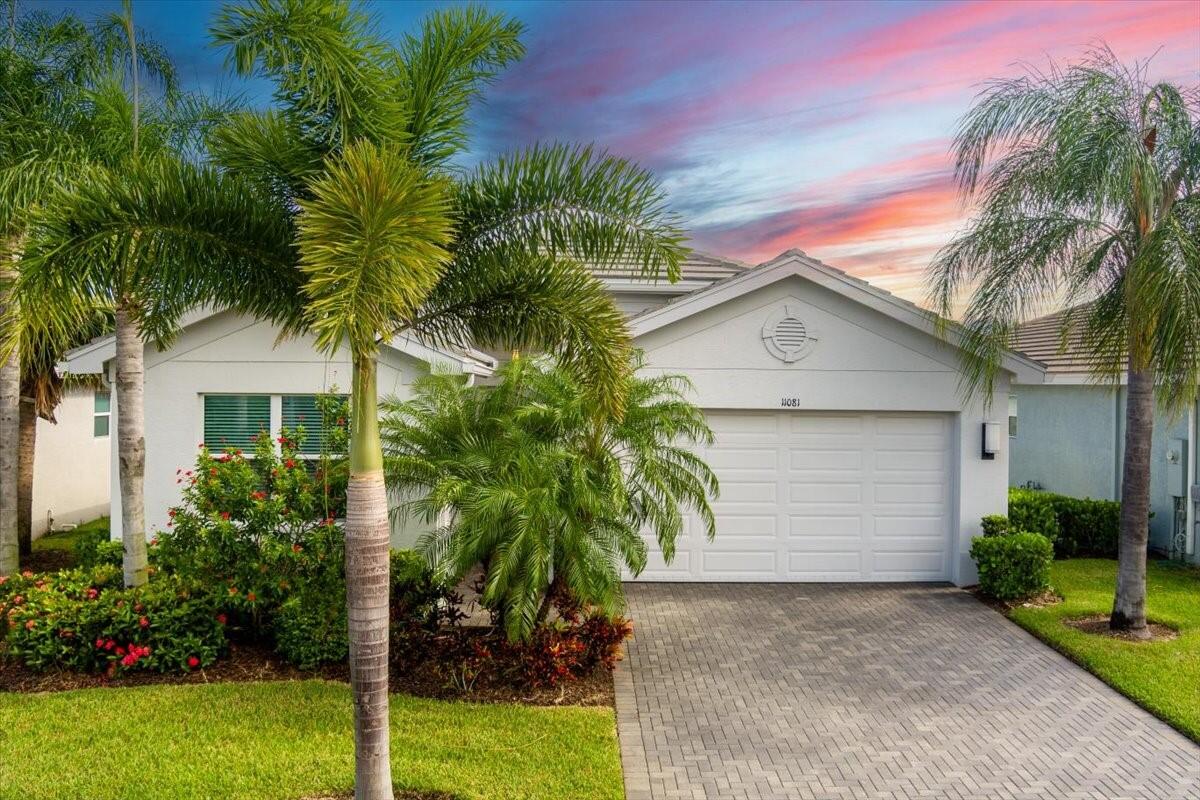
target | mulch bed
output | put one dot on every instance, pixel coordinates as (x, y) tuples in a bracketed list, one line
[(248, 663), (1047, 598), (48, 560), (1098, 626)]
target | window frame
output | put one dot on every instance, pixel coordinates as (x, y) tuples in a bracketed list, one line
[(106, 415)]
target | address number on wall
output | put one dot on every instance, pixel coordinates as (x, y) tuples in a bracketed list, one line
[(789, 402)]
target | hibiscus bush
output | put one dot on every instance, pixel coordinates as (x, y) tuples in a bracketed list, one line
[(84, 619)]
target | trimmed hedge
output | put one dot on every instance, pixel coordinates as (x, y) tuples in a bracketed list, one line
[(1076, 526), (1013, 566)]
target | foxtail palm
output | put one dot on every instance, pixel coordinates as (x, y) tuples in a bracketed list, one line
[(1085, 179), (63, 116)]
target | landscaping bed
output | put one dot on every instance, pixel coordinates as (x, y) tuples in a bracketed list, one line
[(255, 663), (1161, 675)]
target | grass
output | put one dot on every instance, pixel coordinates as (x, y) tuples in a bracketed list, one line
[(291, 740), (1163, 677), (65, 540)]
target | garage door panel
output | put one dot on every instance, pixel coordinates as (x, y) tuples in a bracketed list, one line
[(735, 491), (825, 525), (739, 458), (825, 460), (910, 493), (825, 492), (909, 460), (822, 497), (737, 525), (739, 563)]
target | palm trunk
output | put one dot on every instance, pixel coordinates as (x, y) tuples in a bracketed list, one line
[(10, 412), (1129, 605), (28, 443), (131, 443), (367, 565)]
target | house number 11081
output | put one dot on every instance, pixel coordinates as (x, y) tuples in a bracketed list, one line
[(789, 402)]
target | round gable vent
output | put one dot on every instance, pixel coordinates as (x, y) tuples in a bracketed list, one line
[(786, 335)]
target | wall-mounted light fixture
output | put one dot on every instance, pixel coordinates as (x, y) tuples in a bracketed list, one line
[(991, 440)]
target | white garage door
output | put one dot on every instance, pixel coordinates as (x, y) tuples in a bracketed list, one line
[(822, 497)]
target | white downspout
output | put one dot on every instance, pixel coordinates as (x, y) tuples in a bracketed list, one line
[(1189, 535)]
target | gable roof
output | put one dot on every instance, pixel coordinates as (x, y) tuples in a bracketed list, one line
[(797, 263), (90, 358), (1042, 339), (697, 271)]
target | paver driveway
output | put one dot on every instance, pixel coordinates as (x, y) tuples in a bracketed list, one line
[(840, 691)]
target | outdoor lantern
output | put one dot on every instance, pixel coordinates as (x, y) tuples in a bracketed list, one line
[(991, 440)]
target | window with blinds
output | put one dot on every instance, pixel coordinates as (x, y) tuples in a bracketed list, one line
[(234, 420), (300, 410)]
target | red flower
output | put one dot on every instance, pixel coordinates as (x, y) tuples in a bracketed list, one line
[(3, 579), (258, 495), (99, 644), (27, 574), (296, 548), (120, 651), (221, 618), (251, 596), (172, 512), (92, 594), (290, 464), (30, 625), (193, 662), (225, 515), (144, 622), (110, 644), (233, 590), (212, 470), (18, 600)]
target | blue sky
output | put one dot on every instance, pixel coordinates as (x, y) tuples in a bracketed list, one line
[(823, 126)]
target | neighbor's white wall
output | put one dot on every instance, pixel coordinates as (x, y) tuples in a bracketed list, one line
[(70, 466), (230, 353), (863, 361)]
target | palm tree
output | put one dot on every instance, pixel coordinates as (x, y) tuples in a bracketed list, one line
[(1085, 179), (547, 491), (294, 228), (64, 115)]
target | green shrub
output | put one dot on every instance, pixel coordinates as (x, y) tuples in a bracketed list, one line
[(1032, 510), (995, 525), (1087, 527), (1077, 526), (94, 548), (310, 627), (1014, 566), (258, 528), (85, 620)]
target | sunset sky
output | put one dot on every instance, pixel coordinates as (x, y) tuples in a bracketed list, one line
[(823, 126)]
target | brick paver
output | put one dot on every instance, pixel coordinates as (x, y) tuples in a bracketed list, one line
[(874, 692)]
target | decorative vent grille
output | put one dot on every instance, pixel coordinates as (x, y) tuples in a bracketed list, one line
[(790, 334), (786, 336)]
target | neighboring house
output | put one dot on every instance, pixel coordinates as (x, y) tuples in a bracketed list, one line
[(1068, 436), (843, 446), (71, 462)]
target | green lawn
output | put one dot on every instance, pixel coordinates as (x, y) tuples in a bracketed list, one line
[(65, 540), (289, 740), (1164, 677)]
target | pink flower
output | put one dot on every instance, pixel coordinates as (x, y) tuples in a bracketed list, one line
[(92, 594), (144, 622), (99, 644), (27, 574)]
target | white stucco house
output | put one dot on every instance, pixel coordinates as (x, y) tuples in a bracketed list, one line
[(843, 445), (71, 461)]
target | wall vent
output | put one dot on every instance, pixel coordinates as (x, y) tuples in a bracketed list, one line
[(787, 336)]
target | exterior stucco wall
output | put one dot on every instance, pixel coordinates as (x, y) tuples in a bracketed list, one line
[(70, 466), (1071, 440), (229, 353), (862, 361)]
